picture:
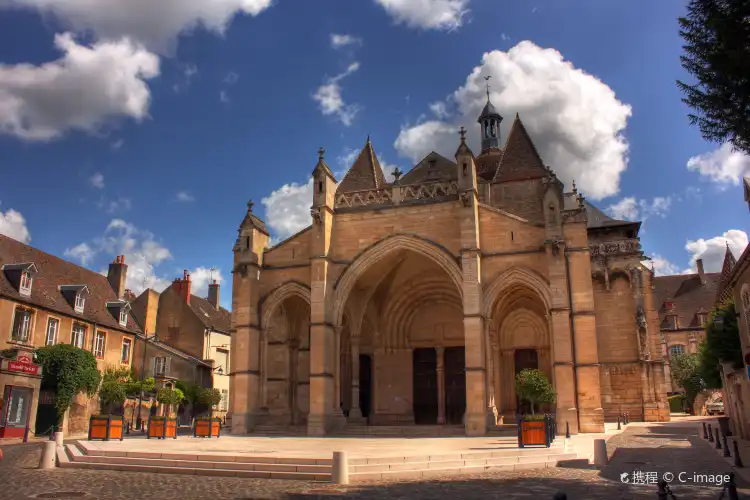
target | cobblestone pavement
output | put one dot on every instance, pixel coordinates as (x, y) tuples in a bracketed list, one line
[(672, 447)]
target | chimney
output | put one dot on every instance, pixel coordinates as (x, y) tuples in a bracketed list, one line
[(701, 273), (213, 294), (182, 286), (117, 274)]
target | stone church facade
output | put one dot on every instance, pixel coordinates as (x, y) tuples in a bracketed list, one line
[(417, 301)]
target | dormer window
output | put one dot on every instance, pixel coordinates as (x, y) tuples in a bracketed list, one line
[(702, 319), (119, 311), (123, 317), (21, 276), (80, 302), (25, 286)]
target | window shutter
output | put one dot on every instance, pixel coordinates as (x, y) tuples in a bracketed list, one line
[(152, 367), (167, 365)]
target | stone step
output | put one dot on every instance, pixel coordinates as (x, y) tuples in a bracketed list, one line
[(444, 462), (447, 471)]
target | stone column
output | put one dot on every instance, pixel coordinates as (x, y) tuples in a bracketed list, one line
[(496, 370), (489, 375), (339, 330), (441, 384), (263, 369), (355, 413)]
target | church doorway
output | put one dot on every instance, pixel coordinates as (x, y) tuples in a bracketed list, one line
[(524, 359), (455, 385), (365, 384), (425, 386)]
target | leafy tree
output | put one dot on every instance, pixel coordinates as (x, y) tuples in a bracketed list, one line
[(717, 55), (119, 383), (169, 397), (192, 395), (709, 367), (686, 372), (210, 397), (723, 335), (534, 386), (68, 371)]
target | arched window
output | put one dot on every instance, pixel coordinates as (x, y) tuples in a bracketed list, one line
[(676, 350)]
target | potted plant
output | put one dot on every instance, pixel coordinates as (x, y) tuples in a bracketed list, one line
[(165, 426), (535, 429), (112, 394), (208, 426)]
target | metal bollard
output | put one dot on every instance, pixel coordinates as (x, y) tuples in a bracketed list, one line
[(52, 433), (732, 488), (26, 435), (618, 423), (600, 453), (48, 459), (737, 457), (662, 492), (726, 446), (340, 469), (718, 439), (567, 430), (710, 434), (705, 431)]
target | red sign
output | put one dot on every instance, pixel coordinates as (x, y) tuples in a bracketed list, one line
[(23, 364)]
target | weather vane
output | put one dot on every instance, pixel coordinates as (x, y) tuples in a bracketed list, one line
[(487, 85)]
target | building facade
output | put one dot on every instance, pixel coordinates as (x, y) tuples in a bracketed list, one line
[(45, 300), (418, 301)]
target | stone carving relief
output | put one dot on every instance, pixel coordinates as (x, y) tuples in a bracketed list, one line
[(465, 199), (615, 247), (643, 347), (315, 214)]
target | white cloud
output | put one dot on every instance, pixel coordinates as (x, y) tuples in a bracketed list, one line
[(504, 37), (231, 78), (201, 277), (427, 14), (712, 250), (83, 90), (81, 252), (639, 210), (223, 96), (339, 41), (661, 266), (288, 209), (115, 206), (13, 224), (440, 110), (184, 197), (574, 119), (188, 71), (155, 23), (328, 96), (118, 144), (97, 180), (722, 165)]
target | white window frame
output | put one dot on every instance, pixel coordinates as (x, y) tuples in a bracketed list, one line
[(672, 350), (123, 317), (224, 400), (80, 303), (129, 343), (26, 327), (100, 340), (160, 366), (51, 337), (24, 287), (78, 330)]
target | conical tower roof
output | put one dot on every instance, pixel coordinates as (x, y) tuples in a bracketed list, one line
[(366, 172)]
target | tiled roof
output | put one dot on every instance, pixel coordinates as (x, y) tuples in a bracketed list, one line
[(520, 159), (219, 319), (173, 350), (53, 272), (365, 173), (432, 168), (596, 218), (687, 295), (724, 290)]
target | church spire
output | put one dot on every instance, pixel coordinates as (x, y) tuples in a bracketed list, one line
[(489, 122)]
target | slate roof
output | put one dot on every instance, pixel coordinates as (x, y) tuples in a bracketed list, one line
[(219, 319), (53, 272), (520, 159), (365, 173), (252, 220), (426, 170), (596, 217), (688, 296), (173, 350)]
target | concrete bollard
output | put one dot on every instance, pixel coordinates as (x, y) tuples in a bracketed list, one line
[(600, 453), (48, 460), (58, 438), (340, 469)]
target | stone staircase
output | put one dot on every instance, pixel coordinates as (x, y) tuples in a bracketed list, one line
[(352, 430), (506, 457)]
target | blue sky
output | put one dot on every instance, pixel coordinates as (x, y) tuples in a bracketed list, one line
[(142, 128)]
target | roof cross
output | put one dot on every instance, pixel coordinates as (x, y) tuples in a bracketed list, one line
[(250, 206), (487, 86), (462, 133), (321, 153), (397, 173)]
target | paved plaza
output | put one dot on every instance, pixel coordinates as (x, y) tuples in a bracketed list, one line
[(674, 447)]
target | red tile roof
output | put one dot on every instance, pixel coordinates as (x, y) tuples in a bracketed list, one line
[(688, 297)]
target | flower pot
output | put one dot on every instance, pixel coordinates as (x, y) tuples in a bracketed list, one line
[(105, 427), (533, 432), (162, 427), (207, 427)]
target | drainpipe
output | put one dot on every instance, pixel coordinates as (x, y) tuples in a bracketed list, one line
[(573, 341)]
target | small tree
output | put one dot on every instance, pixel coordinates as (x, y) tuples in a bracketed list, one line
[(210, 397), (119, 383), (685, 369), (170, 398), (192, 394), (68, 371), (534, 386)]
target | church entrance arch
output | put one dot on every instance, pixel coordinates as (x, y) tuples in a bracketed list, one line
[(403, 308)]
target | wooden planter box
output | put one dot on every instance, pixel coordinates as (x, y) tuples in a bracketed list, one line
[(536, 432), (204, 427), (106, 427), (162, 427)]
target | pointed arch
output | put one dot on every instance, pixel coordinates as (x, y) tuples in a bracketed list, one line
[(382, 248), (278, 295), (513, 278)]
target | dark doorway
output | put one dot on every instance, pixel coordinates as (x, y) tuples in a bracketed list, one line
[(525, 359), (46, 414), (365, 384), (455, 385), (425, 386)]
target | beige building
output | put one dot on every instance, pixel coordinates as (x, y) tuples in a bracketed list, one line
[(417, 301), (45, 300), (684, 302)]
